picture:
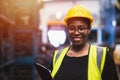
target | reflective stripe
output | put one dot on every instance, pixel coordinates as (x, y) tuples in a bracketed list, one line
[(103, 59), (99, 57), (54, 57), (58, 54)]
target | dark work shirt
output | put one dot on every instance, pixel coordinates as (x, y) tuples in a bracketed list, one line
[(76, 68), (73, 68)]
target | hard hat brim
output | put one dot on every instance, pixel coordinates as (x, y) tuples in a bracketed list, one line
[(90, 19)]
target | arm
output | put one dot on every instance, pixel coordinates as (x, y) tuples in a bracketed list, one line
[(109, 71)]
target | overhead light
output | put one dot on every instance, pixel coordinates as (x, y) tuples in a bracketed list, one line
[(114, 23), (57, 37)]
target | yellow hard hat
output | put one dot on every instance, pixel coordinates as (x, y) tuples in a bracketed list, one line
[(79, 11)]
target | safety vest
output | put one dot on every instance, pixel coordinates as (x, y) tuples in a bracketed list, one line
[(96, 61)]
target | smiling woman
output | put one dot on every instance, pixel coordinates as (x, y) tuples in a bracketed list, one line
[(78, 30), (82, 60)]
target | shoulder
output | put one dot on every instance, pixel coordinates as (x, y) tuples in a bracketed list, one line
[(61, 49), (102, 49), (98, 47)]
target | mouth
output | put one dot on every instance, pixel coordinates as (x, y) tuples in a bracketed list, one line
[(76, 39)]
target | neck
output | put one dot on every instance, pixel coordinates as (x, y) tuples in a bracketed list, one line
[(77, 48), (78, 51)]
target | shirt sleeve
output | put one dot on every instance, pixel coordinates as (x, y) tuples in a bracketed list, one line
[(109, 71)]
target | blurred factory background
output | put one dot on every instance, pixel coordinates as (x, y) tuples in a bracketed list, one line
[(30, 30)]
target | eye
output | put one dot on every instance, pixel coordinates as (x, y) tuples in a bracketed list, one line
[(81, 28), (71, 27)]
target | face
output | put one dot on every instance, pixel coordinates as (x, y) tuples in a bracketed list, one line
[(78, 31)]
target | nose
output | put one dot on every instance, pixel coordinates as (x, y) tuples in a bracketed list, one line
[(76, 31)]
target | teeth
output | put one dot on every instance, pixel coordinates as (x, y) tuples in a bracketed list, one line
[(76, 38)]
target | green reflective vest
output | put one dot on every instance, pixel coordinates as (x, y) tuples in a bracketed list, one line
[(95, 62)]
